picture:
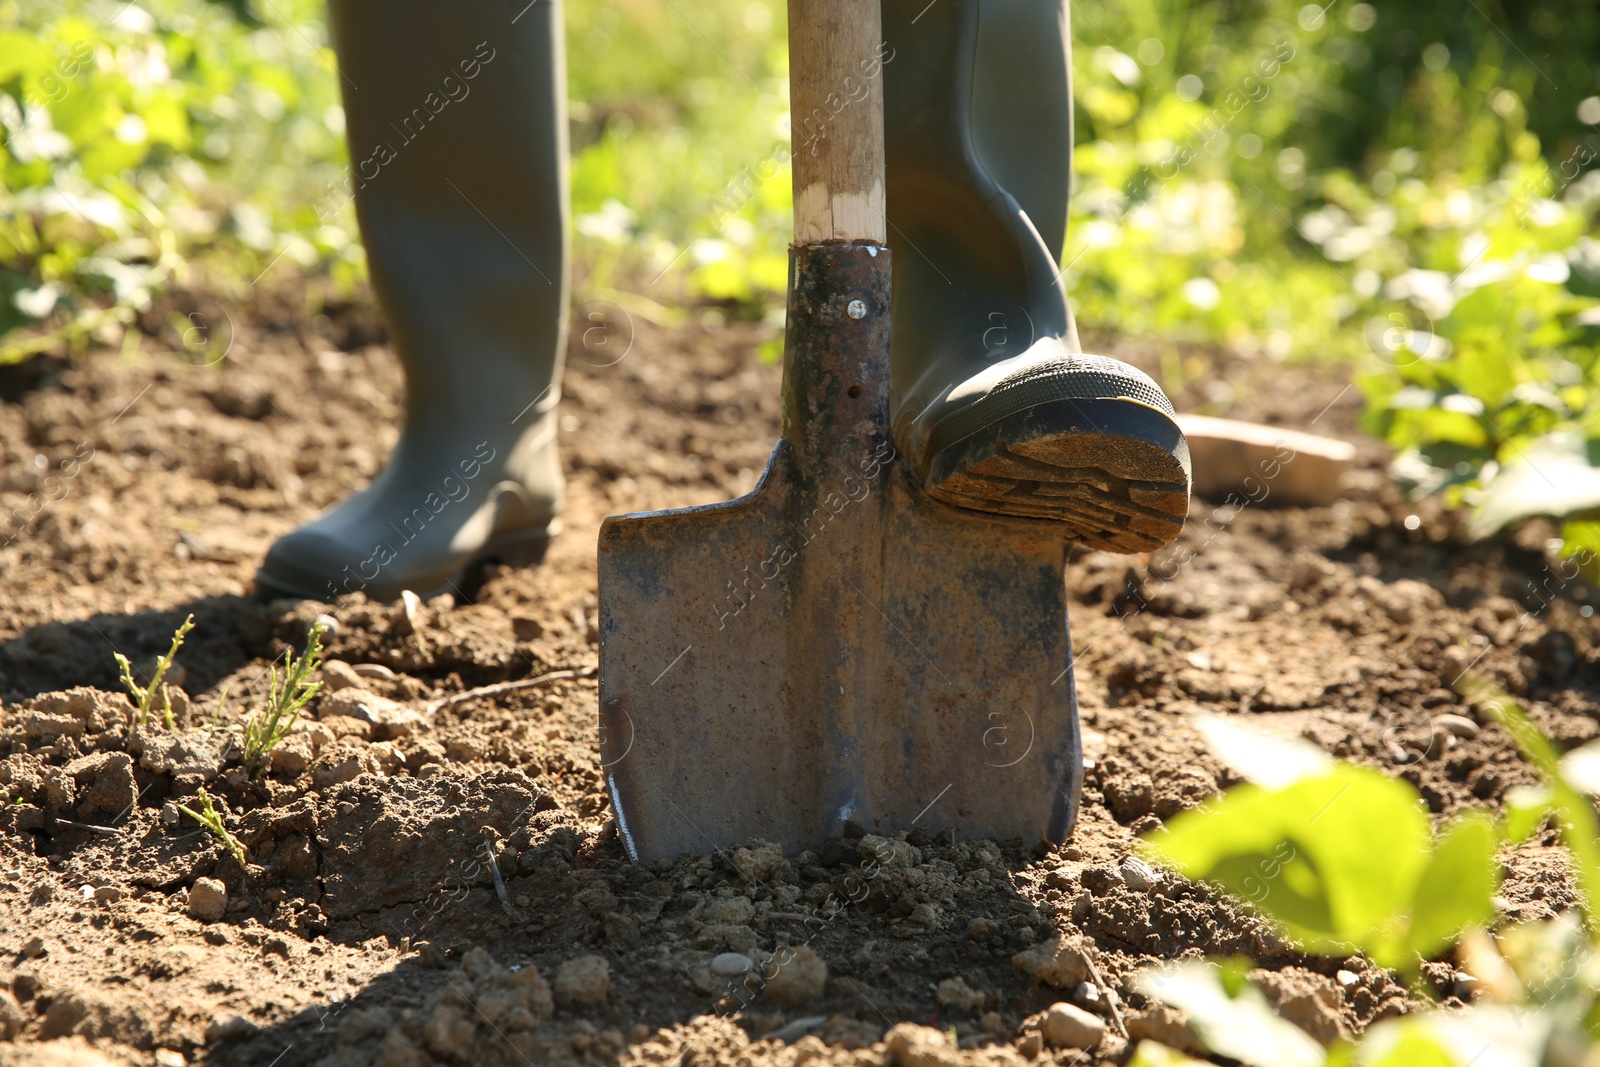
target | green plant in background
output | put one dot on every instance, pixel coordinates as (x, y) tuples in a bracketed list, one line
[(287, 696), (1488, 384), (211, 818), (144, 696), (146, 138)]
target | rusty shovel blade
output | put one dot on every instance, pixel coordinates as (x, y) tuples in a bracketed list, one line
[(835, 646)]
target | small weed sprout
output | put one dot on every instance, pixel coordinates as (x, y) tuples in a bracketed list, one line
[(144, 696), (209, 817), (287, 696)]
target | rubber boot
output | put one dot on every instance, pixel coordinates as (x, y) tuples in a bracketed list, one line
[(991, 400), (456, 121)]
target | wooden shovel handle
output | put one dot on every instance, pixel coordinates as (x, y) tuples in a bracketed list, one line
[(836, 59)]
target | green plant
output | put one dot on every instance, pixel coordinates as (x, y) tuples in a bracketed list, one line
[(1342, 858), (211, 818), (1289, 843), (1490, 384), (287, 696), (144, 696)]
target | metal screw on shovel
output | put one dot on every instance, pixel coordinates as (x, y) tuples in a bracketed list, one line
[(835, 646)]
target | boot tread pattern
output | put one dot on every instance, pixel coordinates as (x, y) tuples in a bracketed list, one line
[(1134, 501)]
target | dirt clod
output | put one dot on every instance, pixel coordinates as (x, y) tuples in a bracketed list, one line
[(583, 981), (955, 995), (1309, 1000), (798, 977), (1059, 962), (911, 1045), (208, 900)]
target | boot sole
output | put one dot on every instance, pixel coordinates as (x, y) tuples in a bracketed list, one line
[(1115, 471)]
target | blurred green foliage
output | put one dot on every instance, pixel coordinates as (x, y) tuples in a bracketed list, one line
[(1411, 189), (142, 142)]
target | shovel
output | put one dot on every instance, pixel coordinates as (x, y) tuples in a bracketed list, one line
[(835, 647)]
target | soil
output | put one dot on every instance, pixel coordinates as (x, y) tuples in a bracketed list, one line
[(365, 926)]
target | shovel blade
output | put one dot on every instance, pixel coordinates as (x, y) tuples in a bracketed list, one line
[(835, 647), (758, 685)]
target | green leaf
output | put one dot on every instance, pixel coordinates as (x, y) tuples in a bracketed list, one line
[(1334, 858), (1455, 889), (1580, 541), (1557, 475), (1580, 829), (1527, 808), (22, 53)]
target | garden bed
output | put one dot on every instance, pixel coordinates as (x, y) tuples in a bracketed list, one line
[(366, 927)]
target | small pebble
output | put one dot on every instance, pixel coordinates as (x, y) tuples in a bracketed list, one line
[(337, 675), (1346, 978), (794, 1031), (372, 670), (1138, 875), (1068, 1026), (329, 625), (731, 964), (1455, 725)]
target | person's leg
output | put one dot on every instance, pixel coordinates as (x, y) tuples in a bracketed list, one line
[(991, 400), (457, 128)]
